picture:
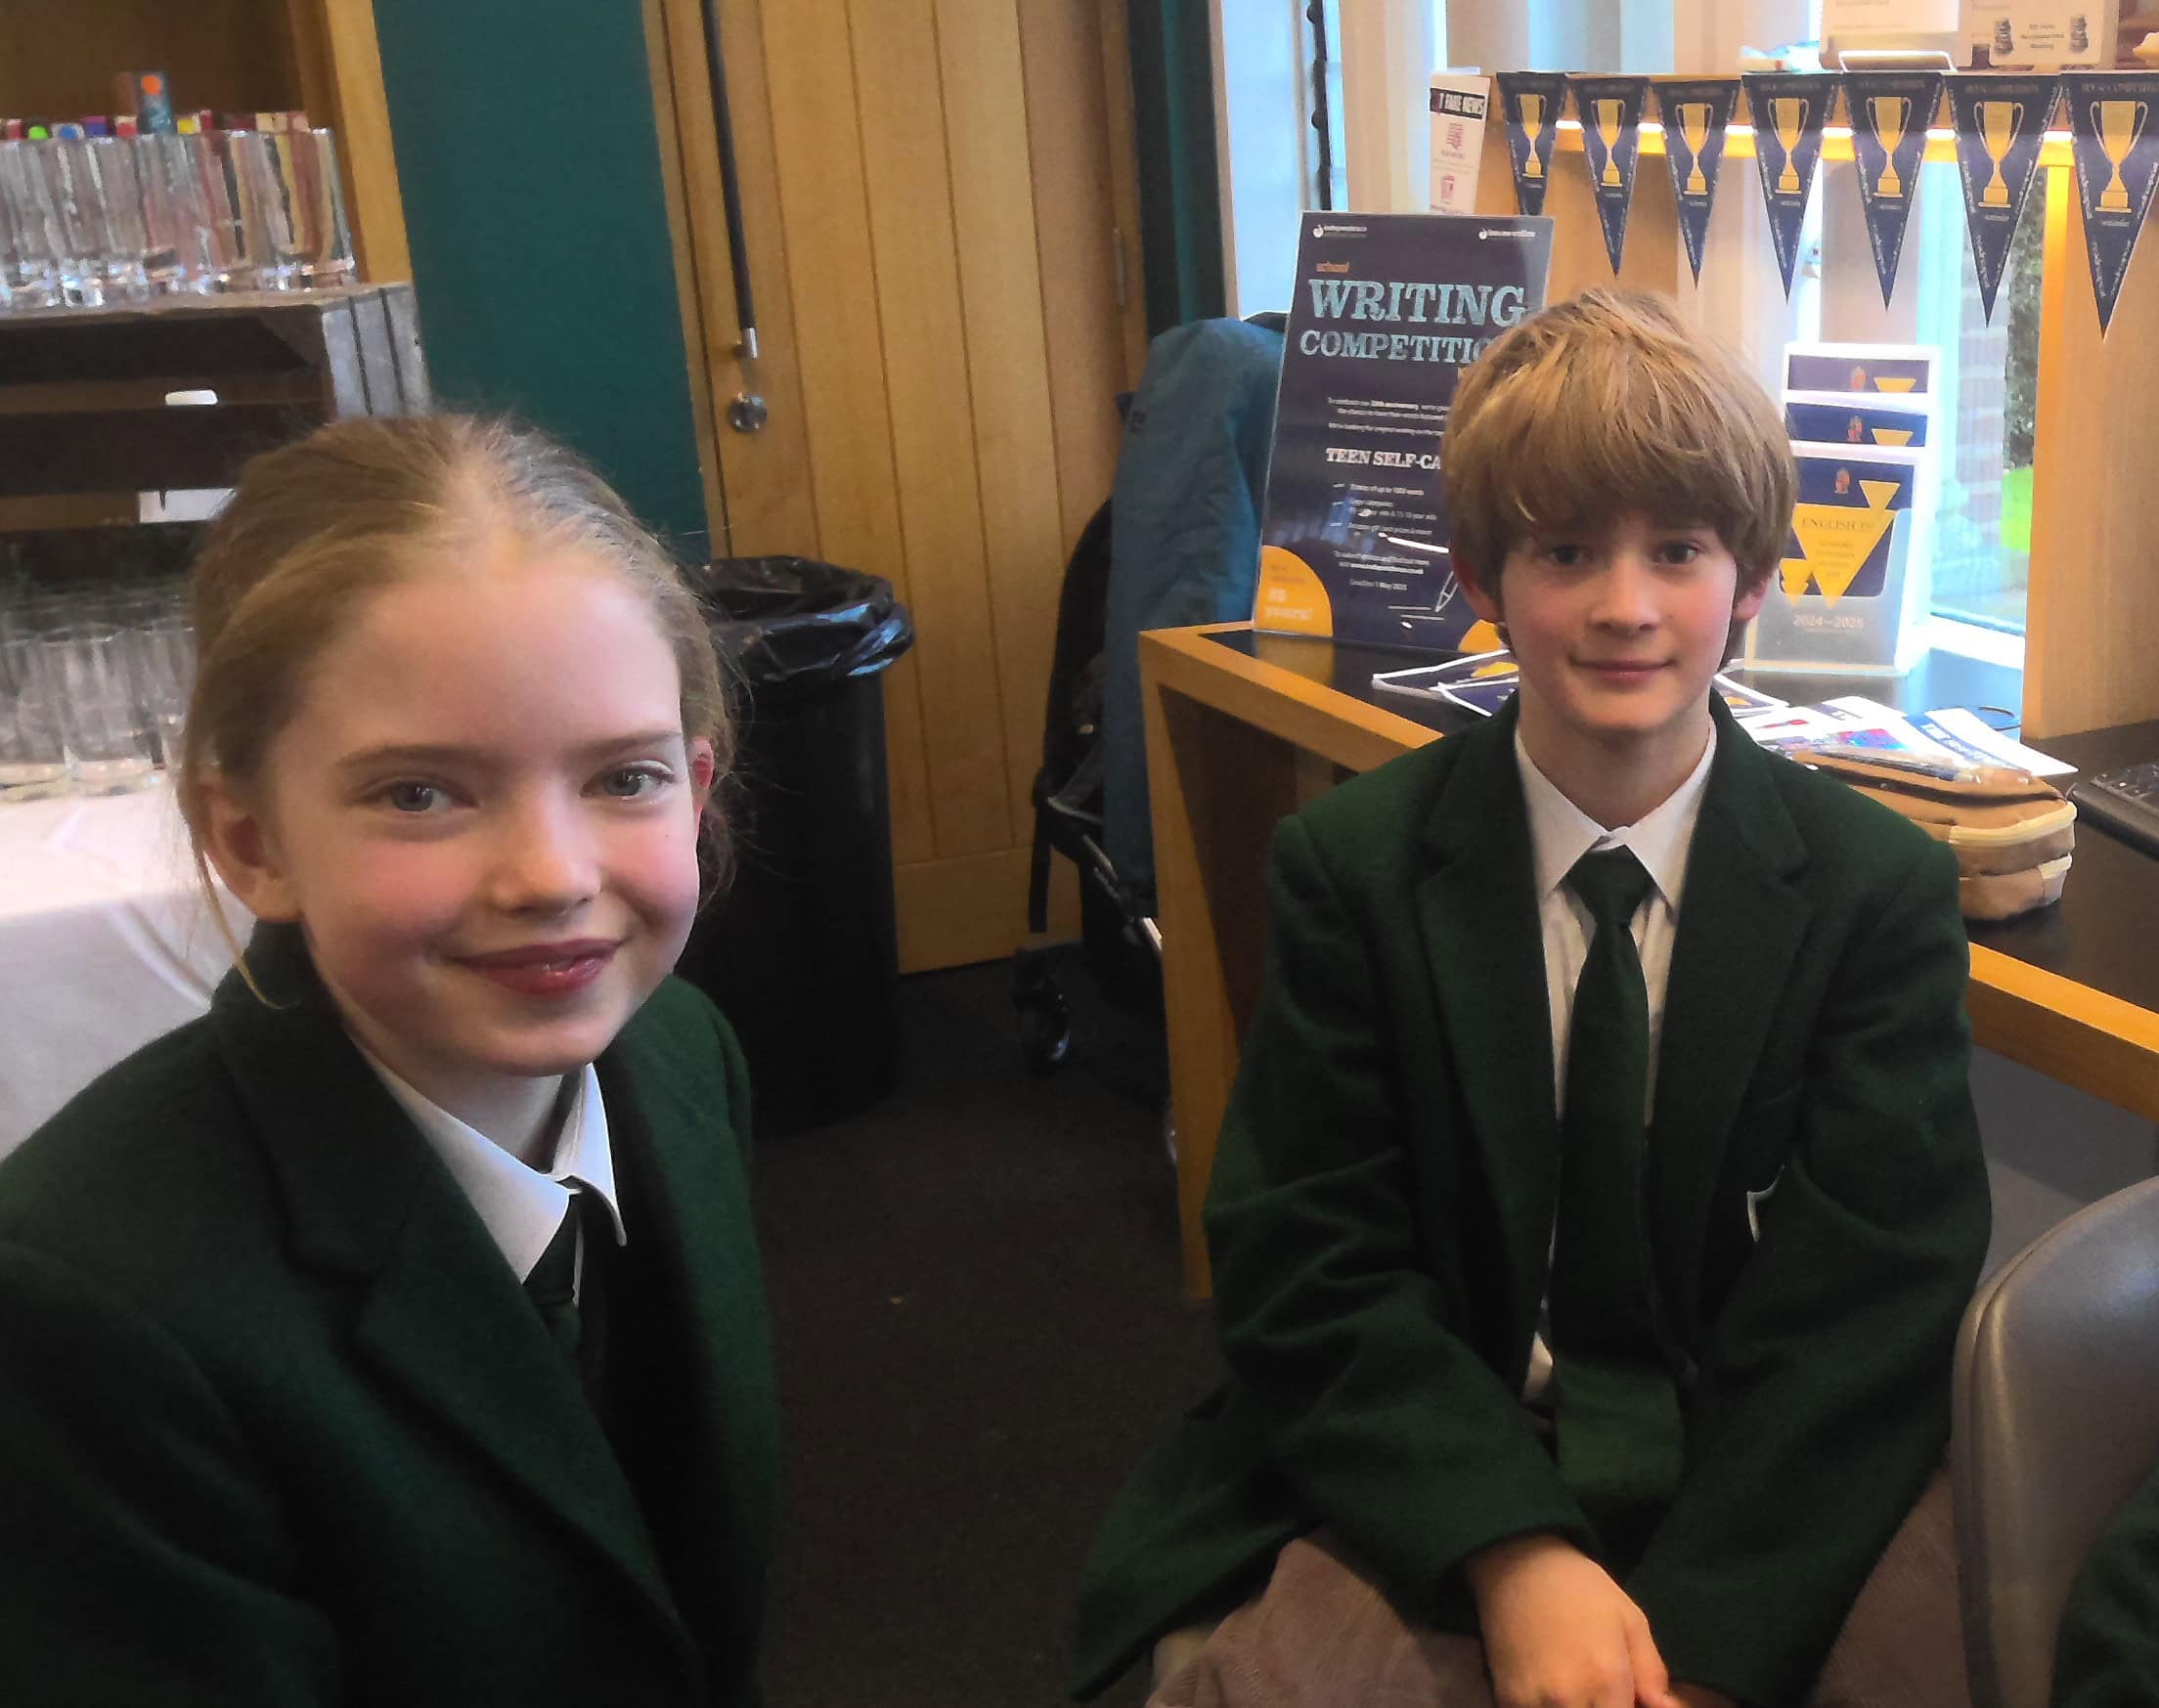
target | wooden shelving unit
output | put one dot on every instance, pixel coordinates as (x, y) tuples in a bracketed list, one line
[(85, 422), (57, 59), (85, 426)]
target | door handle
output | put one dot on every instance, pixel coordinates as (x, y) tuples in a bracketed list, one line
[(730, 195)]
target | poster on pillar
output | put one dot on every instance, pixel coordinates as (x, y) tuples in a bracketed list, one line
[(1388, 310), (2110, 115), (1696, 114), (1890, 112), (2000, 124), (1531, 102), (1459, 104), (1611, 111), (1788, 110)]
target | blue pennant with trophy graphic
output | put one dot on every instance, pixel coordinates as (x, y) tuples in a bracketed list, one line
[(1610, 111), (2000, 124), (1532, 103), (1890, 111), (1696, 114), (2110, 115), (1790, 109)]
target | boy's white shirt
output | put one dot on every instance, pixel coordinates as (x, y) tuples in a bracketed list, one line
[(1560, 834), (522, 1208)]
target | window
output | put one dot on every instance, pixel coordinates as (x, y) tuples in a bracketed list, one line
[(1329, 176), (1982, 555), (1982, 538), (1982, 528)]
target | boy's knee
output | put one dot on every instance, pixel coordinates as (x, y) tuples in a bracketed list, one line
[(1176, 1651)]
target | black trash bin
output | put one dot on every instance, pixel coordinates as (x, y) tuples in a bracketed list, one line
[(801, 951)]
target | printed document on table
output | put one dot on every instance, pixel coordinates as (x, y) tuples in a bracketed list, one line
[(1953, 738)]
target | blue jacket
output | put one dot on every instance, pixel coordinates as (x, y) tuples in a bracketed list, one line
[(1184, 544)]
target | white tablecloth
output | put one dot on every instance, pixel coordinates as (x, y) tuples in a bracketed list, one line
[(105, 940)]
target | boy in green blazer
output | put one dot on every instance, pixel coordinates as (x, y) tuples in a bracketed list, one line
[(2107, 1652), (1601, 1191)]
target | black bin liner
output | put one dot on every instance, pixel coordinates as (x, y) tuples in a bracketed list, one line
[(801, 952)]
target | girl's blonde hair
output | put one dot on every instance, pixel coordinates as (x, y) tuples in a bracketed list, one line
[(317, 526), (1607, 404)]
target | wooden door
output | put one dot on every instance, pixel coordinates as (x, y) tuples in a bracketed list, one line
[(942, 214)]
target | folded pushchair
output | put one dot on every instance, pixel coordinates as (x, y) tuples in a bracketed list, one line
[(1177, 543)]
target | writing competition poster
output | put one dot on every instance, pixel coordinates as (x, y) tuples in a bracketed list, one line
[(1388, 310)]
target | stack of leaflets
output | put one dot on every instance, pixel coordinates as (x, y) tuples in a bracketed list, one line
[(1852, 595), (1946, 743), (1484, 681)]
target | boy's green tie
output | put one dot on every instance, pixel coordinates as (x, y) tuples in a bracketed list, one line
[(1616, 1413)]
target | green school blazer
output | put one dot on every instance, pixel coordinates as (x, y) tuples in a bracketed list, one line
[(278, 1425), (2107, 1652), (1382, 1203)]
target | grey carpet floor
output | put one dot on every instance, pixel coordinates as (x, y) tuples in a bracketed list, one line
[(979, 1330)]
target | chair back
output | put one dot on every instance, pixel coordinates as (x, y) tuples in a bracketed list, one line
[(2056, 1424)]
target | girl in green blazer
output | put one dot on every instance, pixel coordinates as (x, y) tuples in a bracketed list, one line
[(394, 1334)]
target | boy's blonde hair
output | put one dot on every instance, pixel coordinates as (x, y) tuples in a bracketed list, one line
[(317, 526), (1609, 404)]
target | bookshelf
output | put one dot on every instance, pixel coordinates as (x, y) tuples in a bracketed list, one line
[(57, 59)]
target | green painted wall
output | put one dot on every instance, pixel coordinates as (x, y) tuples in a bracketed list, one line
[(530, 170), (1180, 213)]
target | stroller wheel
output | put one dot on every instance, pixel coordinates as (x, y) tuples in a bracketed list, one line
[(1046, 1028)]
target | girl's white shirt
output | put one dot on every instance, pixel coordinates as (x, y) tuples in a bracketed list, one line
[(522, 1208)]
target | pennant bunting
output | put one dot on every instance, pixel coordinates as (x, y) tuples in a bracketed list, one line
[(1788, 110), (1890, 112), (1694, 115), (2117, 150), (1610, 109), (2001, 123), (1532, 103)]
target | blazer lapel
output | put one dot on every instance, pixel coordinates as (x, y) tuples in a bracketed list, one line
[(703, 1350), (442, 1317), (1740, 925), (1478, 914)]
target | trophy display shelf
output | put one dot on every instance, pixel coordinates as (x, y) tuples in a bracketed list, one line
[(88, 396)]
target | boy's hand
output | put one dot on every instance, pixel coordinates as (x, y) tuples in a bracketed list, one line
[(1559, 1633)]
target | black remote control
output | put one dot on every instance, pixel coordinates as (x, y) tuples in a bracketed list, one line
[(2122, 802)]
